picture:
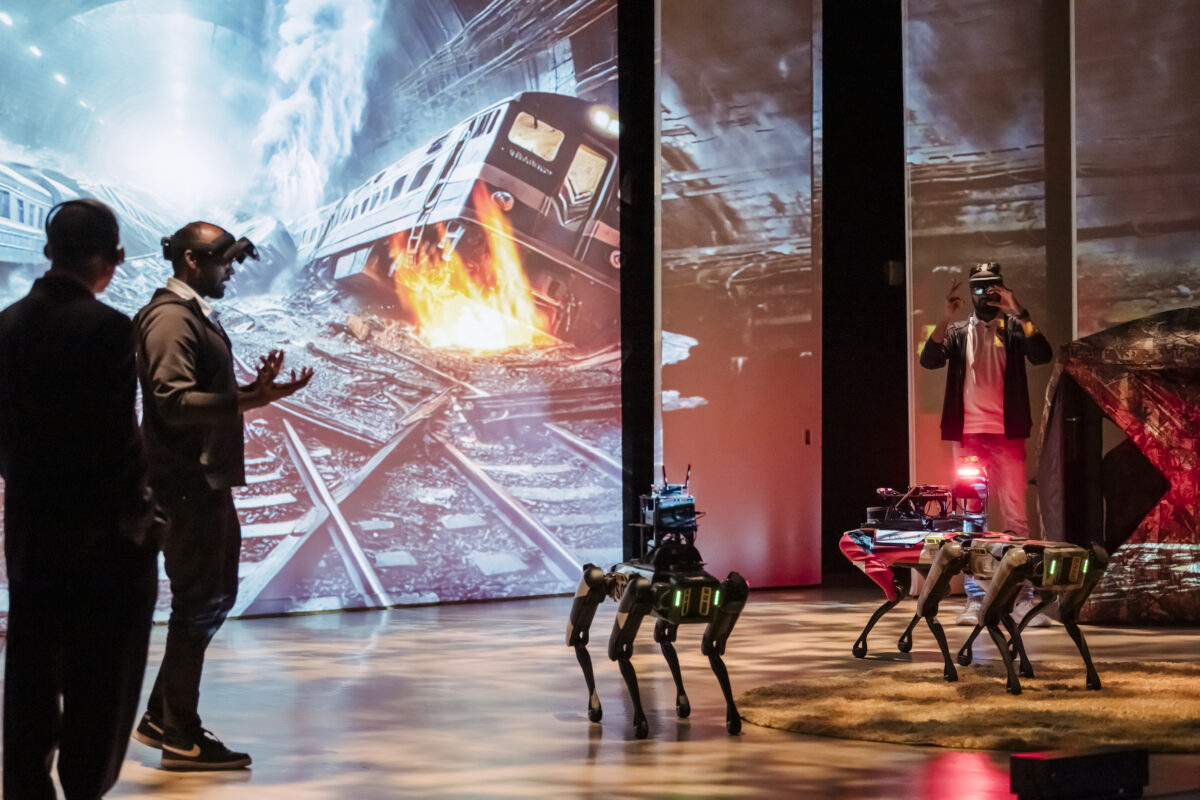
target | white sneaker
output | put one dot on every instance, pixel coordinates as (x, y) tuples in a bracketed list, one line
[(970, 613), (1021, 608)]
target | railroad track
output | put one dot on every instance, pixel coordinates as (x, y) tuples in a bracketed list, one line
[(399, 500)]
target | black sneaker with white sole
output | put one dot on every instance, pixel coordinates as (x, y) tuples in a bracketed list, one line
[(204, 752), (149, 732)]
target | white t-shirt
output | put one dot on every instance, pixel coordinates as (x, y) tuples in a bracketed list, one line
[(983, 384)]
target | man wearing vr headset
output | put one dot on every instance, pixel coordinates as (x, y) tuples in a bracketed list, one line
[(986, 405), (79, 540), (192, 419)]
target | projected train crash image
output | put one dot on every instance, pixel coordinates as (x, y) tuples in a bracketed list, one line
[(433, 194)]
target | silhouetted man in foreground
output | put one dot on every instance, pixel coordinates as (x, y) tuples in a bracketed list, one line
[(82, 573), (192, 419)]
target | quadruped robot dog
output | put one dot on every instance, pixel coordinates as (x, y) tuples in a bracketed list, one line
[(940, 532), (667, 581)]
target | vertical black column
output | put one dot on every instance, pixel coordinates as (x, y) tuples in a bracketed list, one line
[(1083, 512), (1059, 115), (864, 319), (637, 30)]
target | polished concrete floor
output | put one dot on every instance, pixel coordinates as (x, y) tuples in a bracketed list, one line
[(486, 700)]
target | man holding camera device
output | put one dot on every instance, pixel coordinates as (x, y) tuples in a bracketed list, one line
[(192, 420), (986, 406)]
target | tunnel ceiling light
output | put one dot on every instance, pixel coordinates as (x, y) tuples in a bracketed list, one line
[(36, 52), (58, 76), (6, 19)]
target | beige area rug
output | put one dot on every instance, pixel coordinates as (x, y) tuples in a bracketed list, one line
[(1151, 704)]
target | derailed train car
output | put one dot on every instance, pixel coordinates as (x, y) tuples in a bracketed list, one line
[(24, 203), (537, 172)]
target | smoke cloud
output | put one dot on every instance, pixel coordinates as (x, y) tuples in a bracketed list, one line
[(318, 100)]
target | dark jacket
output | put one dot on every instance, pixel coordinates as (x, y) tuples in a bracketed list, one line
[(189, 396), (1017, 347), (70, 451)]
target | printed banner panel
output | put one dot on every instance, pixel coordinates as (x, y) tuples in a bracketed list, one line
[(433, 190)]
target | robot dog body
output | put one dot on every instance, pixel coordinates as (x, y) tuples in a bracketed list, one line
[(919, 535), (668, 582)]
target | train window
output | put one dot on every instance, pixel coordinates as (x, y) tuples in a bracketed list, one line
[(419, 178), (4, 203), (539, 138), (398, 187), (363, 208), (485, 124), (587, 168), (437, 144), (583, 178), (492, 122), (374, 200), (20, 211)]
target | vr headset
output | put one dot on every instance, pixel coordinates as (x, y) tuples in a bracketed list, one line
[(223, 248), (983, 278)]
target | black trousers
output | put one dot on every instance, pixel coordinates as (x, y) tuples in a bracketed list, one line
[(78, 629), (201, 549)]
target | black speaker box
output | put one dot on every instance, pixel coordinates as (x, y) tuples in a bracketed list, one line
[(1091, 774)]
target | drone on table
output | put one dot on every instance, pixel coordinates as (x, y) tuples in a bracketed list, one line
[(667, 581), (940, 532)]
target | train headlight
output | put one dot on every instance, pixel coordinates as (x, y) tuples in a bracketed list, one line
[(605, 120), (503, 200)]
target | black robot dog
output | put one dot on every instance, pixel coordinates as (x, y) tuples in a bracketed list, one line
[(668, 581)]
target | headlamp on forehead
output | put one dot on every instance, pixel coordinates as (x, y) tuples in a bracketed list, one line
[(222, 249)]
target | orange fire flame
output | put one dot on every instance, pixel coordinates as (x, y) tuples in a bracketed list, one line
[(483, 305)]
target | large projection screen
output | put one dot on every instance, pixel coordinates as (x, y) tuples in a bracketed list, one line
[(433, 187), (974, 143), (741, 278)]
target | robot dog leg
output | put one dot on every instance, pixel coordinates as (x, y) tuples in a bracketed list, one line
[(591, 592), (1072, 601), (664, 634), (716, 634), (997, 605), (901, 580), (636, 602), (950, 560), (894, 581)]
